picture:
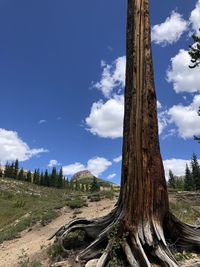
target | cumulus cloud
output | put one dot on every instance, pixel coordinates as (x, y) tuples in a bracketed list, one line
[(186, 118), (96, 166), (111, 176), (177, 166), (71, 169), (163, 120), (113, 77), (13, 147), (183, 78), (42, 121), (195, 18), (170, 30), (106, 118), (53, 163), (117, 159), (159, 106)]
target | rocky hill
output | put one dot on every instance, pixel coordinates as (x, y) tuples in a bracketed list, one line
[(86, 177)]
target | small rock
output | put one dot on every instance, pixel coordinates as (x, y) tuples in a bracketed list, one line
[(91, 263)]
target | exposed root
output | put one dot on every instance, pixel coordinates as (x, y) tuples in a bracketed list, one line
[(142, 248), (183, 236), (129, 255), (104, 258)]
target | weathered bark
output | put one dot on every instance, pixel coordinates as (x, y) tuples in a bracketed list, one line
[(142, 210)]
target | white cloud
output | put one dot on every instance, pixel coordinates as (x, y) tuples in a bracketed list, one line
[(162, 120), (186, 118), (113, 77), (42, 121), (111, 176), (96, 166), (169, 31), (13, 147), (53, 163), (183, 78), (177, 166), (195, 18), (106, 118), (118, 159), (73, 168), (159, 106)]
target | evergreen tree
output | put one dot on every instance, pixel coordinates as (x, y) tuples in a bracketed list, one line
[(54, 178), (188, 185), (36, 177), (46, 178), (16, 169), (42, 178), (21, 175), (95, 187), (29, 177), (172, 180), (12, 171), (180, 182), (195, 172), (60, 179)]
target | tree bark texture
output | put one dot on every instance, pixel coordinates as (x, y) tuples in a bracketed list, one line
[(142, 210)]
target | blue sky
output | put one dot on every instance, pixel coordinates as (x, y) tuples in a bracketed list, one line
[(61, 83)]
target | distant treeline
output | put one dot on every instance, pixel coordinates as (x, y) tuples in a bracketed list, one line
[(191, 180), (54, 179)]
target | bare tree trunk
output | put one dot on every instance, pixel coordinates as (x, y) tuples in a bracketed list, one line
[(142, 210)]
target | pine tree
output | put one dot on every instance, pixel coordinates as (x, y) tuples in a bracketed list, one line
[(172, 180), (95, 187), (54, 178), (195, 172), (60, 179), (42, 179), (29, 176), (16, 169), (188, 185), (36, 177), (12, 171), (21, 175), (46, 178)]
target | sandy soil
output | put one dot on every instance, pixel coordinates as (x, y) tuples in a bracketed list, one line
[(33, 240)]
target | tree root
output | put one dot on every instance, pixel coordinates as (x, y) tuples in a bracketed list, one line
[(143, 248)]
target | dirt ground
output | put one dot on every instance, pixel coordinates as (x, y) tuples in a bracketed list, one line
[(32, 241)]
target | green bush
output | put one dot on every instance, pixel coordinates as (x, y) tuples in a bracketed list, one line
[(74, 240), (19, 203), (55, 252), (95, 197), (77, 203)]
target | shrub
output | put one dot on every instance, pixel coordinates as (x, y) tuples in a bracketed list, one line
[(77, 203)]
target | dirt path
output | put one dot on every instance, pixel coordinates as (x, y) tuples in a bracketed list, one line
[(32, 241)]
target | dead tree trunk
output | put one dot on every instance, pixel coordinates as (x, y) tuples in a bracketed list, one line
[(142, 210)]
